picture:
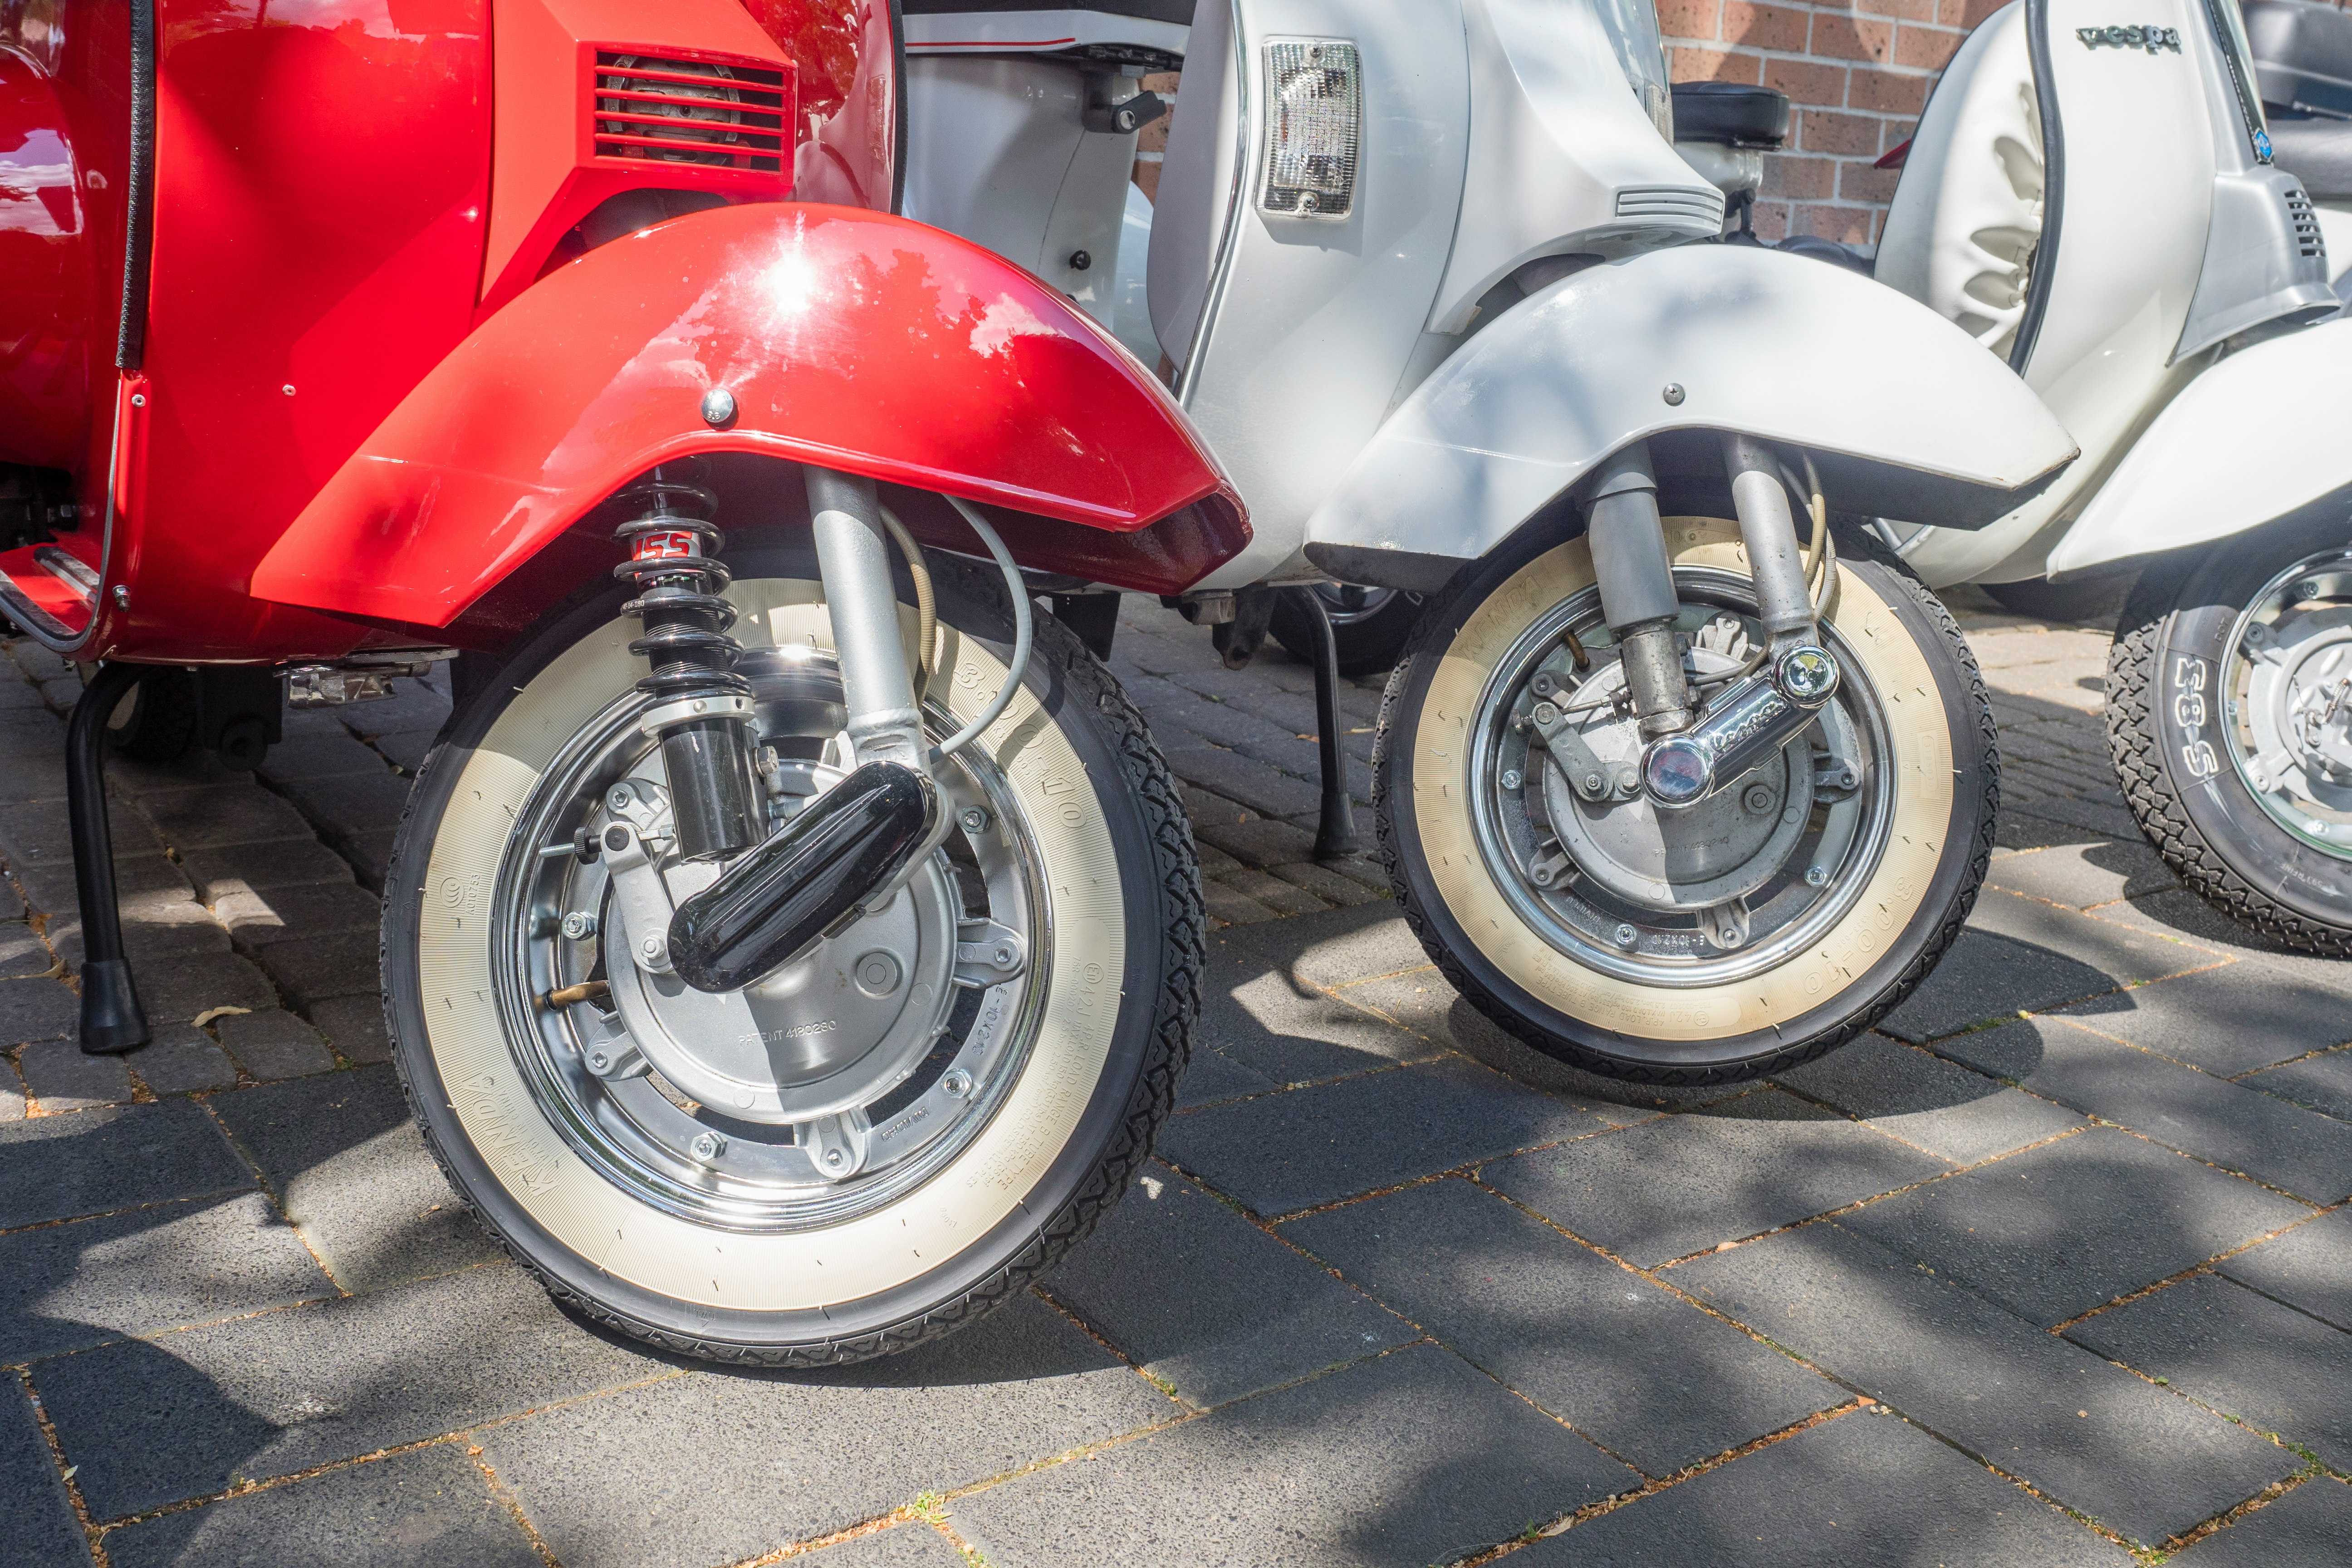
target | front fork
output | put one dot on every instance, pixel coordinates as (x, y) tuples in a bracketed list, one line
[(1688, 755)]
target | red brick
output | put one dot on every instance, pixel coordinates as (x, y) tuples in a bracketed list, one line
[(1689, 18), (1893, 133), (1858, 181), (1712, 65), (1848, 225), (1907, 10), (1805, 179), (1147, 177), (1886, 92), (1843, 38), (1771, 221), (1965, 14), (1807, 82), (1824, 130), (1925, 48), (1764, 26)]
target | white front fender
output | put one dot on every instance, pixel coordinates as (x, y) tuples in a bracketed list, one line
[(2256, 437), (1907, 416)]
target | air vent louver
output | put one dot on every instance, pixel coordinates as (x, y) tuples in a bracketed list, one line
[(689, 111), (2307, 238), (1703, 203)]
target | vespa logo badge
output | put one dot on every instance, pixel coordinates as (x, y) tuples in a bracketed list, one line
[(2152, 40)]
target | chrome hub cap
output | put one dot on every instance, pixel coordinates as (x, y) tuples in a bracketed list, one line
[(2287, 681), (825, 1090), (1731, 886)]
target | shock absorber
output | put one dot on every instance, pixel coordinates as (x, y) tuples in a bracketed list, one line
[(700, 706)]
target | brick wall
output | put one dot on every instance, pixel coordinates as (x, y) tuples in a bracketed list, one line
[(1856, 76)]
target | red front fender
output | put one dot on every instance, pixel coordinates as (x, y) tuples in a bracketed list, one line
[(847, 338)]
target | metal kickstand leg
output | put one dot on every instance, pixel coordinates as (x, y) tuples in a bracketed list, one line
[(1335, 833), (111, 1019)]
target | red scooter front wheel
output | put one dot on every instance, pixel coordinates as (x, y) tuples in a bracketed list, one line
[(875, 1143)]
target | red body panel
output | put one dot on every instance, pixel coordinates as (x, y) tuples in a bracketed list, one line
[(847, 338)]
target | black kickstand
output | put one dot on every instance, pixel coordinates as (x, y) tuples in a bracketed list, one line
[(1335, 834), (111, 1019)]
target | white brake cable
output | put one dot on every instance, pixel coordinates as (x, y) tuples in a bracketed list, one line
[(1021, 635)]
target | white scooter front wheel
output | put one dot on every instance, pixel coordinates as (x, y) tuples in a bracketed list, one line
[(1771, 922), (877, 1141)]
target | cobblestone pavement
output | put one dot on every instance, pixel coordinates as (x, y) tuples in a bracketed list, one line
[(2053, 1270)]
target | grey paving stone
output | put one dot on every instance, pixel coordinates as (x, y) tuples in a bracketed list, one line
[(273, 1044), (347, 806), (354, 1173), (12, 1092), (2243, 1355), (65, 1287), (1253, 840), (411, 706), (35, 1010), (1331, 885), (430, 1508), (60, 1076), (1925, 1101), (1669, 1187), (1198, 1296), (222, 814), (1410, 1459), (262, 919), (2179, 915), (37, 1527), (785, 1458), (2090, 1435), (2056, 1231), (1283, 1152), (1231, 908), (2310, 1267), (12, 903), (33, 769), (1290, 1032), (2021, 955), (407, 747), (181, 1059), (54, 1167), (272, 1395), (50, 887), (354, 1026), (2083, 875), (176, 989), (371, 857), (2321, 1083), (1633, 1367), (2209, 1116), (2306, 1528), (264, 867), (2228, 1020), (22, 952), (1211, 1077), (310, 969), (1337, 947), (1253, 783), (164, 924), (1862, 1492), (911, 1545), (319, 756)]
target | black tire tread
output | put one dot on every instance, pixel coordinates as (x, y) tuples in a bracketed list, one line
[(1509, 1021), (2139, 757), (1184, 950)]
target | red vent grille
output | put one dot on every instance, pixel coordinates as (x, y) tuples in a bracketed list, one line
[(689, 111)]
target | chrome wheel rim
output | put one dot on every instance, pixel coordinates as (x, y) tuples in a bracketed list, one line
[(1712, 894), (876, 1073), (2286, 686)]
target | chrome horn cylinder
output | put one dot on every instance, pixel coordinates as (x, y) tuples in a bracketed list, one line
[(1750, 721)]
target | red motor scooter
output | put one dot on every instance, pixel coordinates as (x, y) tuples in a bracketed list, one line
[(789, 945)]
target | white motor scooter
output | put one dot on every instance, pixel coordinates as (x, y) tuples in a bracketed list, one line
[(2099, 204), (1668, 787)]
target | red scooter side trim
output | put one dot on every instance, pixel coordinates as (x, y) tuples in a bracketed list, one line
[(843, 337)]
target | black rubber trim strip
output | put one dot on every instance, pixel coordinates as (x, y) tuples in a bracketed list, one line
[(898, 108), (139, 210), (2054, 186)]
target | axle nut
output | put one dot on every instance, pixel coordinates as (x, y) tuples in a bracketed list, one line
[(1807, 676)]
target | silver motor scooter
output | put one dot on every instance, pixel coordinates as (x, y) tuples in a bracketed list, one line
[(2105, 207), (1674, 783)]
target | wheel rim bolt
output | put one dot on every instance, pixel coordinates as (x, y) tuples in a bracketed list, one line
[(579, 925), (833, 1158), (1817, 876), (651, 947), (974, 820), (620, 797), (708, 1146), (957, 1083), (1626, 935), (1510, 778)]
